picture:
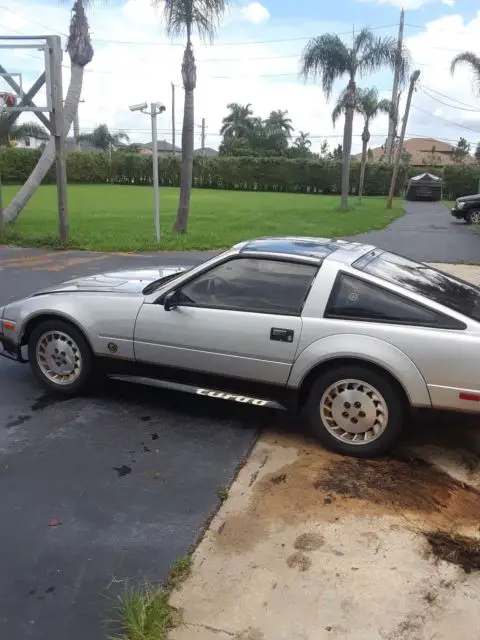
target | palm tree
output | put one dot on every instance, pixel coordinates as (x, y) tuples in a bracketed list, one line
[(238, 122), (182, 18), (10, 132), (369, 106), (80, 50), (278, 122), (302, 141), (102, 138), (473, 61), (330, 59)]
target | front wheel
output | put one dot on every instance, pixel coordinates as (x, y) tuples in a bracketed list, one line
[(355, 411), (60, 357), (473, 217)]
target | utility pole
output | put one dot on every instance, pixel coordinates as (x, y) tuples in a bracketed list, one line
[(413, 79), (393, 117), (58, 132), (173, 119), (203, 134)]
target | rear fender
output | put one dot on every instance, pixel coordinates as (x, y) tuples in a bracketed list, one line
[(366, 349)]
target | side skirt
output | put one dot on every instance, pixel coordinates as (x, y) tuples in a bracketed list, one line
[(198, 383)]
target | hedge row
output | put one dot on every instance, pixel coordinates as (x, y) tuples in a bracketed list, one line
[(241, 173)]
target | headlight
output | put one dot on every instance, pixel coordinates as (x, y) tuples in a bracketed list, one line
[(460, 205)]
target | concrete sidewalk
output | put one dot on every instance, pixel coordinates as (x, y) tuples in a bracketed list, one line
[(311, 545)]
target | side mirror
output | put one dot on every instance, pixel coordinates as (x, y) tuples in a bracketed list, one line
[(171, 301)]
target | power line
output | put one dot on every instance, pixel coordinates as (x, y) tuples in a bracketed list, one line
[(452, 99), (452, 106), (455, 124)]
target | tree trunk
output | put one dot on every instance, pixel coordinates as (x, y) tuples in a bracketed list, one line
[(347, 143), (45, 161), (365, 139), (189, 75)]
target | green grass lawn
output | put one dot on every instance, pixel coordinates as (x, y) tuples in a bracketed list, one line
[(120, 218)]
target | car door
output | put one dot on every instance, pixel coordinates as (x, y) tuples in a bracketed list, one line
[(241, 318)]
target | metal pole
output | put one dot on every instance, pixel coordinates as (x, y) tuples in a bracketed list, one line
[(413, 78), (1, 207), (55, 58), (156, 206), (173, 118), (203, 133)]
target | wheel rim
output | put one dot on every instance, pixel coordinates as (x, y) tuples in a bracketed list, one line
[(353, 411), (475, 216), (59, 357)]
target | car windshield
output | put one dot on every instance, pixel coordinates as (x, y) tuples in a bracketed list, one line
[(153, 286), (426, 281)]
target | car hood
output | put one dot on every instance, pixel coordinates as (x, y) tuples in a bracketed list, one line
[(469, 198), (129, 281)]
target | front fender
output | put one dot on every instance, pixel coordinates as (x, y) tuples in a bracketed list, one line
[(368, 349)]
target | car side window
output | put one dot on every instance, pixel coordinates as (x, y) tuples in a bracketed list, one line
[(355, 299), (250, 284)]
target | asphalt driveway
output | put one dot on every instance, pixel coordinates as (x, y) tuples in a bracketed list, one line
[(113, 487), (102, 489), (427, 232)]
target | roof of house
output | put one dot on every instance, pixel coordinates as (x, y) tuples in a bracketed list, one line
[(207, 152), (162, 145), (422, 151)]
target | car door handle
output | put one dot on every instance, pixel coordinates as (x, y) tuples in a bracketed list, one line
[(281, 335)]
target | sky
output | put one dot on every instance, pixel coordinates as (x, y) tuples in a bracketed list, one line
[(255, 59)]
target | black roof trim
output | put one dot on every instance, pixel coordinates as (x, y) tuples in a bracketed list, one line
[(314, 248)]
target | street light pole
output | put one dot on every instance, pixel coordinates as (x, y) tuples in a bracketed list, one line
[(155, 109), (413, 79), (156, 203)]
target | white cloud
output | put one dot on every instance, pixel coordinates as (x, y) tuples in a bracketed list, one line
[(255, 13), (410, 5)]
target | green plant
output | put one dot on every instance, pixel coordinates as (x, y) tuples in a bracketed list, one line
[(222, 493), (143, 613)]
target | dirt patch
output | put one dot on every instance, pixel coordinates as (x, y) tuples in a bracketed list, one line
[(323, 486), (460, 550), (412, 485), (299, 561), (309, 542)]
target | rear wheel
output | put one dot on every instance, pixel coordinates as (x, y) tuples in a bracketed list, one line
[(60, 357), (473, 217), (355, 411)]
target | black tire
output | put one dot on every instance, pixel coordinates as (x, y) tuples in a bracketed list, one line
[(394, 400), (473, 217), (81, 381)]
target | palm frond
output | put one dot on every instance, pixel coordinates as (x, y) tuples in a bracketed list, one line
[(381, 52), (325, 57), (363, 41), (473, 61), (182, 17), (340, 106)]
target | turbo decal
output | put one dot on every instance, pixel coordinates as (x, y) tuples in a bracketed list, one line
[(231, 396)]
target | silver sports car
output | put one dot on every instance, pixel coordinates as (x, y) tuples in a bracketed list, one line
[(349, 334)]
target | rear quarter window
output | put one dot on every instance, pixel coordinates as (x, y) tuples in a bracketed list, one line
[(353, 298), (424, 280)]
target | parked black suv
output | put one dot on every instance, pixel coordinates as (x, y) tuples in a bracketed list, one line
[(468, 208)]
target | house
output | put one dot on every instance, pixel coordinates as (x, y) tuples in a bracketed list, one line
[(207, 152), (70, 146), (32, 142), (164, 149), (421, 152)]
